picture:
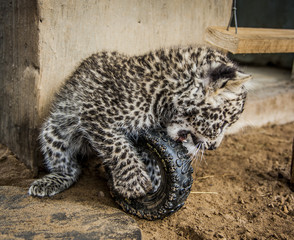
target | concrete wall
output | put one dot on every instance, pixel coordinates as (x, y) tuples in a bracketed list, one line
[(72, 30), (43, 40)]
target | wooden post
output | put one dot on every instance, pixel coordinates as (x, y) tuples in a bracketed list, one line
[(20, 76)]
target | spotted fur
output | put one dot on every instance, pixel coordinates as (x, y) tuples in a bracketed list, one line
[(196, 93)]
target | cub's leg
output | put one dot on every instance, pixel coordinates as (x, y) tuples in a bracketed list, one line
[(60, 143), (128, 175)]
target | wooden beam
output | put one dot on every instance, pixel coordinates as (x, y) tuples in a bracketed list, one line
[(251, 40)]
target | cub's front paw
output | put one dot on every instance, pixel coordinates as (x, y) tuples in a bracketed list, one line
[(133, 186), (51, 184), (42, 188)]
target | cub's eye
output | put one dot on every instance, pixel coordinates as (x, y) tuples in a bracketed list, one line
[(223, 84)]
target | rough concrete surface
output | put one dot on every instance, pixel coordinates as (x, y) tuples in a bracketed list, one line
[(60, 219), (68, 215)]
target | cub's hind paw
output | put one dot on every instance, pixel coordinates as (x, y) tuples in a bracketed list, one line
[(135, 187)]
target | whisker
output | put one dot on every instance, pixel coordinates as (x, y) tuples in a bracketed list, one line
[(202, 145), (196, 155), (202, 155)]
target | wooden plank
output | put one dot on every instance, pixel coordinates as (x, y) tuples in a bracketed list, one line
[(251, 40)]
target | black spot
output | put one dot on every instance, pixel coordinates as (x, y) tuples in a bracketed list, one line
[(57, 144), (49, 152), (124, 155), (87, 105), (92, 112), (56, 132), (130, 176), (119, 118), (179, 56), (101, 131), (108, 141), (118, 149), (158, 97), (122, 165), (110, 120), (49, 140)]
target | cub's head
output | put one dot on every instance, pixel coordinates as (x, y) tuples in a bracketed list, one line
[(207, 106)]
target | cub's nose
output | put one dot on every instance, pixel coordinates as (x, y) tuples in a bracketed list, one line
[(183, 134)]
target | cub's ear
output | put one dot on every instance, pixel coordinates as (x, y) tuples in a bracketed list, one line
[(225, 76), (239, 79)]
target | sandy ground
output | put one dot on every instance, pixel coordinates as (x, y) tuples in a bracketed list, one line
[(240, 191)]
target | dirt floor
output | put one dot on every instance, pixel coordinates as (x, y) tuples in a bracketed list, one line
[(240, 191)]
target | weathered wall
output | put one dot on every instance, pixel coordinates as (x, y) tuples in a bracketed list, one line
[(19, 71), (72, 30), (44, 40)]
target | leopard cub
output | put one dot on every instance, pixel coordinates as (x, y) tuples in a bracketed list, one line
[(195, 93)]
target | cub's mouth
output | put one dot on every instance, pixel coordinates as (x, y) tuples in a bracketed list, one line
[(185, 136)]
